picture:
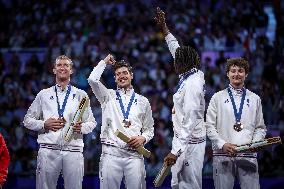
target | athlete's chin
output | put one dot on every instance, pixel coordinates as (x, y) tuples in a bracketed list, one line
[(237, 83), (123, 85), (63, 77)]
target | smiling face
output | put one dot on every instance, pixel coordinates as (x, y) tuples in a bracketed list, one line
[(237, 70), (123, 77), (63, 69), (237, 76)]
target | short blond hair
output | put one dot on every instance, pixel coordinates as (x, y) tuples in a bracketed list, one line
[(63, 57)]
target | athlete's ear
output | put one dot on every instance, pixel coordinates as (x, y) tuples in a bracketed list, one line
[(131, 75), (54, 71)]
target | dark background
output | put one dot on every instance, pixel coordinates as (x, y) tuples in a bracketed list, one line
[(33, 33)]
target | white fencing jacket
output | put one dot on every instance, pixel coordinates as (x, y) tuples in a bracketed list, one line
[(140, 114), (220, 119), (45, 106), (189, 107)]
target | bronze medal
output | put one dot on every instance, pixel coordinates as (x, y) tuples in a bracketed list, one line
[(126, 123), (238, 126), (238, 114), (62, 119)]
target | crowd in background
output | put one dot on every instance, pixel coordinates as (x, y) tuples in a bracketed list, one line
[(34, 32)]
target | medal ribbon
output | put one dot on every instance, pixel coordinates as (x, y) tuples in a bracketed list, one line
[(61, 110), (238, 115), (125, 113), (185, 76)]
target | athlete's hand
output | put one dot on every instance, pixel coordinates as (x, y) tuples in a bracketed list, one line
[(109, 60), (230, 149), (161, 21), (136, 141), (170, 159), (77, 127), (53, 124)]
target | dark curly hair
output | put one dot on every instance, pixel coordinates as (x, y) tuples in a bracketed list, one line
[(239, 61), (122, 63), (186, 58)]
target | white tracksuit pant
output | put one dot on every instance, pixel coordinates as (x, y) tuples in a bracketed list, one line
[(117, 163), (187, 171), (226, 169), (50, 163)]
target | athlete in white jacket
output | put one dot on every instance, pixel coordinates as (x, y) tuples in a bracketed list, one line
[(47, 115), (129, 112), (188, 145), (234, 117)]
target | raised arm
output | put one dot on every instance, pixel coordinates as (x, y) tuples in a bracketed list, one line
[(170, 39), (161, 21), (98, 88)]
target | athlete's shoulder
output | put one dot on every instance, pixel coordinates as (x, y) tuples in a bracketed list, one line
[(220, 93), (141, 97), (46, 91), (252, 94)]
